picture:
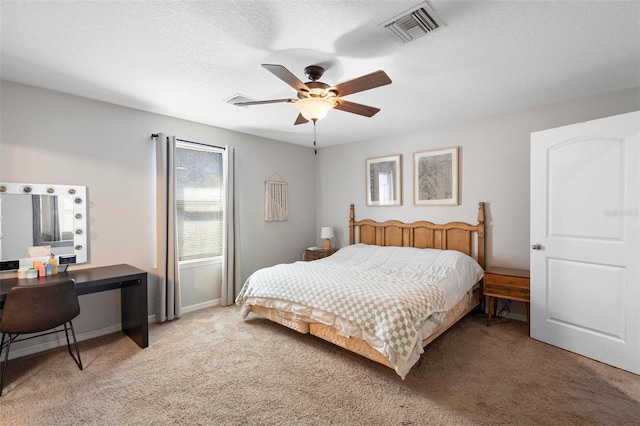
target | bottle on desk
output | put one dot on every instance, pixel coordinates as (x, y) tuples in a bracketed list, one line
[(54, 264)]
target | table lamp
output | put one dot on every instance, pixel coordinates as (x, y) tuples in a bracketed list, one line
[(326, 233)]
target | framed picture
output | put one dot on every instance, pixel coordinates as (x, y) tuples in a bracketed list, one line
[(384, 176), (435, 177)]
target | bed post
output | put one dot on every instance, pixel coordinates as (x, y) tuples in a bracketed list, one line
[(351, 230), (481, 245)]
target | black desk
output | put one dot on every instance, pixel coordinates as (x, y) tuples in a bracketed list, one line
[(131, 281)]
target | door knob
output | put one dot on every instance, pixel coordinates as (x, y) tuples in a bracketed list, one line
[(536, 246)]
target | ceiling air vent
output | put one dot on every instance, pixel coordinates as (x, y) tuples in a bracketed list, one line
[(238, 98), (413, 23)]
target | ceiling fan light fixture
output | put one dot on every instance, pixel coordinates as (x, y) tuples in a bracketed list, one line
[(314, 108)]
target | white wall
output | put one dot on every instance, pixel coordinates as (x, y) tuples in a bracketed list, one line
[(57, 138), (50, 137), (494, 168)]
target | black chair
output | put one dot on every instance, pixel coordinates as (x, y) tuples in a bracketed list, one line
[(36, 308)]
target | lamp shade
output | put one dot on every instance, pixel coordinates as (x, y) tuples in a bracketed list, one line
[(314, 108), (326, 232)]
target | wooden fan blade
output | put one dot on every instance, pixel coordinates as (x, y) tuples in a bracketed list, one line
[(355, 108), (360, 84), (300, 120), (271, 101), (285, 75)]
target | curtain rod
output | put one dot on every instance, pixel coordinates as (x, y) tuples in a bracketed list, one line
[(155, 135)]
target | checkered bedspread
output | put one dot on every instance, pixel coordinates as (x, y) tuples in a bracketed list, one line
[(390, 306)]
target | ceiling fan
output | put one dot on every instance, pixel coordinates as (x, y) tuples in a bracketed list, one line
[(316, 98)]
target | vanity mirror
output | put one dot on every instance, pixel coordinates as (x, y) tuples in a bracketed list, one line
[(34, 217)]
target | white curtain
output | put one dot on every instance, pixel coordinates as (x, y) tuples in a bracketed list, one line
[(168, 295), (231, 245)]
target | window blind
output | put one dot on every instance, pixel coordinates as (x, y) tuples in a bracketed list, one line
[(199, 202)]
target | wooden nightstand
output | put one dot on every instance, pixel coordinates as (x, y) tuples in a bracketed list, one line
[(506, 283), (319, 253)]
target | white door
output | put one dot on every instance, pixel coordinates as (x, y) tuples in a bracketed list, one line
[(585, 245)]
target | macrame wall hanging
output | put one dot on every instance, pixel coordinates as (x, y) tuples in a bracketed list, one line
[(276, 204)]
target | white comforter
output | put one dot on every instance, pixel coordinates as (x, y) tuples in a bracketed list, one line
[(388, 293)]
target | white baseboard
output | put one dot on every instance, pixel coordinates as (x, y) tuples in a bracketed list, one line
[(510, 315), (191, 308), (517, 317), (62, 341), (197, 307)]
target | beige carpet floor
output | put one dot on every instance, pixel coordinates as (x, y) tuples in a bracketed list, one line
[(212, 368)]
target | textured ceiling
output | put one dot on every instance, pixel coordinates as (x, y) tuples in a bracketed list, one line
[(184, 59)]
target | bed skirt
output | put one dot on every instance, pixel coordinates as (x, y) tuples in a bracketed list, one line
[(306, 325)]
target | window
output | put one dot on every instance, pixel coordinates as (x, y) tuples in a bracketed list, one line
[(199, 201)]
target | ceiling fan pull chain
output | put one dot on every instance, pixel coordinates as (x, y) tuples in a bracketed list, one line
[(315, 151)]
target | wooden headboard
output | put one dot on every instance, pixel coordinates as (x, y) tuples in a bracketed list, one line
[(422, 234)]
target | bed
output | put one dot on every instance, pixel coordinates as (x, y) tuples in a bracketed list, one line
[(394, 289)]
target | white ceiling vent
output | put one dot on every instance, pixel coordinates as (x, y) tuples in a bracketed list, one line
[(413, 23), (238, 98)]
